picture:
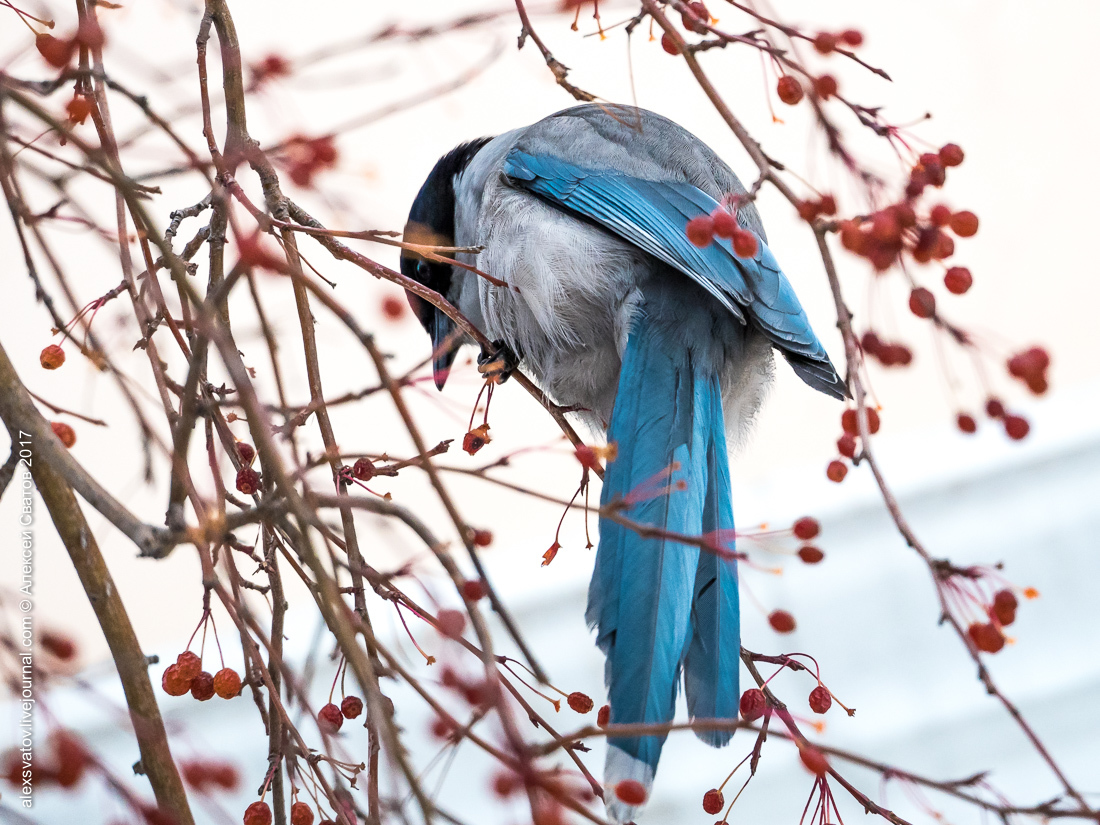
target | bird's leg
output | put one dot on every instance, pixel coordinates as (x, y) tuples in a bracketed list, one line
[(497, 361)]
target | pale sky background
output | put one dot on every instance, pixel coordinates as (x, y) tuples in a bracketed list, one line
[(1011, 83)]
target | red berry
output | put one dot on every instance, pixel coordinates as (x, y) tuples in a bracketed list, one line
[(580, 702), (300, 814), (351, 707), (51, 357), (668, 44), (65, 434), (810, 554), (846, 445), (806, 528), (78, 108), (248, 481), (604, 716), (258, 813), (505, 784), (89, 34), (700, 231), (967, 423), (825, 86), (853, 37), (202, 687), (713, 801), (73, 758), (190, 665), (807, 210), (781, 621), (393, 308), (827, 205), (836, 471), (789, 90), (172, 683), (696, 18), (58, 645), (363, 469), (753, 704), (245, 452), (54, 51), (964, 224), (476, 438), (825, 42), (1016, 427), (630, 791), (820, 699), (814, 760), (1004, 607), (451, 623), (951, 154), (870, 342), (849, 421), (473, 589), (329, 718), (744, 244), (958, 279), (922, 302), (986, 637), (940, 215), (994, 408), (227, 683), (482, 538), (442, 728), (725, 224)]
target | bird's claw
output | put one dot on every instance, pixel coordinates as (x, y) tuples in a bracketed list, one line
[(497, 361)]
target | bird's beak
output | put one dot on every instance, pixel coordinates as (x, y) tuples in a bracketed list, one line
[(444, 348)]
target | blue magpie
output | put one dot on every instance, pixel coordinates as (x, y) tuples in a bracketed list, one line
[(665, 345)]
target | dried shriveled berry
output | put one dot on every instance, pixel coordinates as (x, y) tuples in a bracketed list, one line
[(966, 423), (810, 554), (846, 445), (190, 664), (836, 471), (986, 637), (580, 702), (753, 704), (227, 683), (806, 528), (245, 452), (713, 801), (958, 280), (820, 699), (202, 686), (476, 438), (700, 230), (51, 357), (1016, 426), (789, 90), (849, 421), (329, 718), (451, 623), (814, 760), (65, 434), (300, 814), (781, 621), (604, 716), (964, 224), (630, 791), (363, 469), (258, 813), (248, 481), (351, 707), (172, 683)]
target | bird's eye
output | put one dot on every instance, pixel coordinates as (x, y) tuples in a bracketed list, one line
[(422, 269)]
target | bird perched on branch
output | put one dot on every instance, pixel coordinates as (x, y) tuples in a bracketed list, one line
[(664, 339)]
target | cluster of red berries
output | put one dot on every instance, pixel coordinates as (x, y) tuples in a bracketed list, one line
[(848, 442), (722, 223), (187, 675), (210, 775), (988, 637), (808, 210), (331, 717), (1016, 426), (887, 353), (695, 18), (807, 528), (259, 813), (1030, 366), (64, 761), (476, 438), (827, 42), (59, 52), (305, 157), (65, 434)]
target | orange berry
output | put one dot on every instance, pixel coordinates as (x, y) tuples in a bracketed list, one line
[(258, 813), (51, 357), (227, 683), (580, 702), (836, 471), (300, 814), (964, 224), (814, 760), (65, 434), (604, 716), (172, 683)]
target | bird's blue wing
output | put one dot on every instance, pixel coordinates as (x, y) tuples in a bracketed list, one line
[(653, 215)]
